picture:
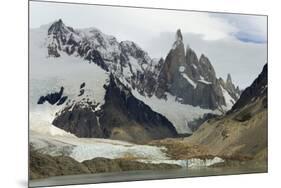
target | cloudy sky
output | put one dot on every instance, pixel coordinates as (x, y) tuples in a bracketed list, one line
[(235, 44)]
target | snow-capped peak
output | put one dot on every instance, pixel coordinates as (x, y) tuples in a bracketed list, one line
[(58, 27)]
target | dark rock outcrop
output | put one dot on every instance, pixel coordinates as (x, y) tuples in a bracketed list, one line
[(53, 98), (122, 117), (62, 100), (94, 56), (82, 85), (191, 80), (80, 120), (142, 69), (81, 92), (258, 89), (169, 78), (58, 33), (53, 50), (126, 117)]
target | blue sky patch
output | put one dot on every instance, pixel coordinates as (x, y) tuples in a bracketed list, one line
[(247, 37)]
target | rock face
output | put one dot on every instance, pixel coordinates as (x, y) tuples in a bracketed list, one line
[(53, 98), (125, 59), (169, 76), (79, 120), (191, 80), (231, 135), (57, 38), (122, 117), (233, 91), (257, 90)]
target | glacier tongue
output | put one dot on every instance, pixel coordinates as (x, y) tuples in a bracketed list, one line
[(80, 149), (53, 141)]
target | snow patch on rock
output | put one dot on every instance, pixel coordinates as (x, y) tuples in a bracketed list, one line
[(229, 101), (178, 114), (189, 80), (181, 68)]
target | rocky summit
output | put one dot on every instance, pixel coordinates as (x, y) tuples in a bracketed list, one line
[(192, 80)]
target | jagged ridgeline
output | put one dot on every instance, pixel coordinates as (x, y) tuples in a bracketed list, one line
[(192, 80), (142, 95)]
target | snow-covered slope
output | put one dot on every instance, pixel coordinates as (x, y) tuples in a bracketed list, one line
[(49, 74), (229, 101), (179, 114)]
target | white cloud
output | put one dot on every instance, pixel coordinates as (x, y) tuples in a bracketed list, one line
[(135, 20), (251, 26)]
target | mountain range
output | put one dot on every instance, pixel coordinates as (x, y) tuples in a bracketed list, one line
[(140, 98)]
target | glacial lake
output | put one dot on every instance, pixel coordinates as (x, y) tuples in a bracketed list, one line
[(143, 175)]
